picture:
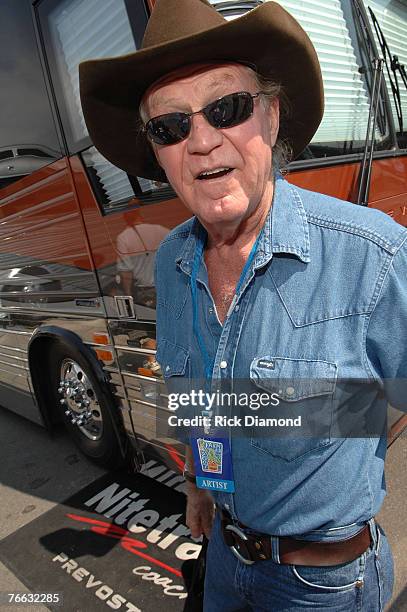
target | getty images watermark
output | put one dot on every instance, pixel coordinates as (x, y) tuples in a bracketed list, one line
[(208, 402)]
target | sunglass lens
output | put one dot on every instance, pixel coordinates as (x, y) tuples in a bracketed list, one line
[(168, 129), (230, 110)]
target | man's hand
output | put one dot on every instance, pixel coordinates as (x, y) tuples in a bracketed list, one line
[(200, 511)]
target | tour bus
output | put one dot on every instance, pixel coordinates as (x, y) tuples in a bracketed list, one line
[(78, 236)]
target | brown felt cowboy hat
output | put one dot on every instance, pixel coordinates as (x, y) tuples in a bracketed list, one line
[(182, 32)]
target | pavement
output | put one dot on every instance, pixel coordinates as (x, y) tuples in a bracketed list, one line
[(38, 471)]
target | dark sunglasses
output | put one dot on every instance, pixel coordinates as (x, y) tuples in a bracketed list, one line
[(225, 112)]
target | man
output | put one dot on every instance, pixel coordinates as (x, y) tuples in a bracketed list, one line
[(282, 287)]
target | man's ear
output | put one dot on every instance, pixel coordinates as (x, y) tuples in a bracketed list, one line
[(274, 115)]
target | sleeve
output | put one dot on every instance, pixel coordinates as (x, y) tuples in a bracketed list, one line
[(158, 297), (386, 339), (177, 433), (124, 263)]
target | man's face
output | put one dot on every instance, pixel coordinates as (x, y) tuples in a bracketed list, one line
[(246, 148)]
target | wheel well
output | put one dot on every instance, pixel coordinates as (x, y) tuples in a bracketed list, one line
[(38, 359)]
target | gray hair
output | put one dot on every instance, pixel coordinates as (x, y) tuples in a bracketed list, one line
[(282, 150)]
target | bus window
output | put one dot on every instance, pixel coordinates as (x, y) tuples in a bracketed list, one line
[(28, 139), (331, 27), (115, 190), (391, 16), (76, 30)]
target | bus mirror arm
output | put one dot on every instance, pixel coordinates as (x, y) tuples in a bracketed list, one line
[(366, 165), (397, 67)]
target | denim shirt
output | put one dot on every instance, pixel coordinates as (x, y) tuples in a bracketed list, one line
[(327, 289)]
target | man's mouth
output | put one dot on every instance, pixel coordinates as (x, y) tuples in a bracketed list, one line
[(214, 174)]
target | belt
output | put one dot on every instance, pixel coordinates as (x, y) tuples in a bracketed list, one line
[(251, 547)]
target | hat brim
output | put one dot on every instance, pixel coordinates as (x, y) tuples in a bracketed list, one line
[(270, 38)]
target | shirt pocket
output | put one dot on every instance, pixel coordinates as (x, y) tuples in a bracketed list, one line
[(305, 388), (175, 366), (173, 359)]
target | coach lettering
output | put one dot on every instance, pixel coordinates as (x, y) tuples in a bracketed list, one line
[(166, 583)]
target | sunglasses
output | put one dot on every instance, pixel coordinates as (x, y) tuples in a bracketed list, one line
[(225, 112)]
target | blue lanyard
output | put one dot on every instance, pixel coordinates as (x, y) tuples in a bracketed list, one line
[(194, 273)]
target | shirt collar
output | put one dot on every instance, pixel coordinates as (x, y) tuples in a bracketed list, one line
[(290, 233), (285, 230)]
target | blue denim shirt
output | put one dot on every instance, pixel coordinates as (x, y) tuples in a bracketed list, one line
[(327, 291)]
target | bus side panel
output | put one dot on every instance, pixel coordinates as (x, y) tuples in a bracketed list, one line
[(46, 275), (134, 340), (121, 331), (388, 190)]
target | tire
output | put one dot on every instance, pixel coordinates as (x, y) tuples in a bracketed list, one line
[(89, 420)]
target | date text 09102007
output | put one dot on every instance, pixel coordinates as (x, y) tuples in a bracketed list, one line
[(24, 599)]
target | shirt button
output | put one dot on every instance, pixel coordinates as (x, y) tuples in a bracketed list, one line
[(237, 307), (167, 368), (290, 390), (223, 364), (210, 310)]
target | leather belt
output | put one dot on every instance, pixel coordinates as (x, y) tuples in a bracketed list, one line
[(251, 547)]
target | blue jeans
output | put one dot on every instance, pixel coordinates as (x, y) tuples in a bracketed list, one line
[(364, 584)]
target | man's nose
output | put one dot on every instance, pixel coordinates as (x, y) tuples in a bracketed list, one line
[(203, 137)]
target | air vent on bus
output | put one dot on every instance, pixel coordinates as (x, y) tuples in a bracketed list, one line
[(33, 152), (6, 154)]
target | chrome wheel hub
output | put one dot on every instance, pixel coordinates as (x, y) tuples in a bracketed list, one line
[(79, 400)]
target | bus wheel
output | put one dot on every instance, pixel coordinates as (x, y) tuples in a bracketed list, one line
[(85, 411)]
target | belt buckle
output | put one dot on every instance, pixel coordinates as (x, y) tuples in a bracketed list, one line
[(243, 537)]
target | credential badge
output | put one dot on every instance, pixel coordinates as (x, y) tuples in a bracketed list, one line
[(210, 455)]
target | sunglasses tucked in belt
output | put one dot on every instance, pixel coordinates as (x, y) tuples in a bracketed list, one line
[(225, 112)]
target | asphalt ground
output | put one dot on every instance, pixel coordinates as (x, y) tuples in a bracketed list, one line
[(38, 471)]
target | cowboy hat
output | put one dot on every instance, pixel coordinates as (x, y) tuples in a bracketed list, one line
[(181, 32)]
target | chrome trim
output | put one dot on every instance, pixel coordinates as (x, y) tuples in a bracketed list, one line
[(13, 331), (136, 400), (12, 365), (131, 349), (146, 378), (51, 275), (334, 160), (102, 346), (13, 373), (13, 348), (14, 357), (91, 295), (63, 314), (149, 404)]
